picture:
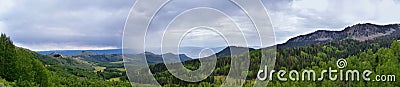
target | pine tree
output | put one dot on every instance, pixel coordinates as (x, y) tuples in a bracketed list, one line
[(18, 64), (7, 55)]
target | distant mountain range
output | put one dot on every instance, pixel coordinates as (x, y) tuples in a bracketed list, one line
[(189, 51), (155, 58), (237, 50), (358, 32), (72, 52), (108, 57), (115, 55), (193, 52)]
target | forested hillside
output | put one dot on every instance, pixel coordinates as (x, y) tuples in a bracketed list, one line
[(25, 68), (19, 66), (380, 59)]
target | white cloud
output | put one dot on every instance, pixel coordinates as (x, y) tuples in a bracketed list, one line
[(317, 5), (6, 5)]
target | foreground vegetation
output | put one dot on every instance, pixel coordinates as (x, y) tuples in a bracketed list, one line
[(24, 68)]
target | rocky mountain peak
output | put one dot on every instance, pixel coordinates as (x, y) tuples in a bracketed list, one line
[(358, 32)]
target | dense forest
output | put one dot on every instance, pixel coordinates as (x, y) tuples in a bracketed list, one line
[(381, 59)]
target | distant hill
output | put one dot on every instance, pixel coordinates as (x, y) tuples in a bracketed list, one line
[(358, 32), (193, 52), (188, 51), (155, 58), (114, 55), (72, 52), (97, 58), (238, 50)]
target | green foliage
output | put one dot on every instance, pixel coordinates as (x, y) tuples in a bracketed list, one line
[(111, 65), (23, 68), (19, 65), (4, 83), (383, 62), (380, 59)]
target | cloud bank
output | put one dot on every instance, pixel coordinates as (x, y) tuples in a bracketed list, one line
[(87, 24)]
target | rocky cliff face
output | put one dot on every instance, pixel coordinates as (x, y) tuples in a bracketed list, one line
[(358, 32)]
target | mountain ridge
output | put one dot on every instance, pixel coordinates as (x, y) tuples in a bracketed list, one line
[(358, 32)]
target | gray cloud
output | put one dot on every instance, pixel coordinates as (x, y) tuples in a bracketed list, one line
[(64, 24), (87, 24), (174, 8)]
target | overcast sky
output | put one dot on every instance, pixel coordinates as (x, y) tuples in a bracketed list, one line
[(87, 24)]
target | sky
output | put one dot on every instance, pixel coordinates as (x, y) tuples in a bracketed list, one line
[(42, 25)]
